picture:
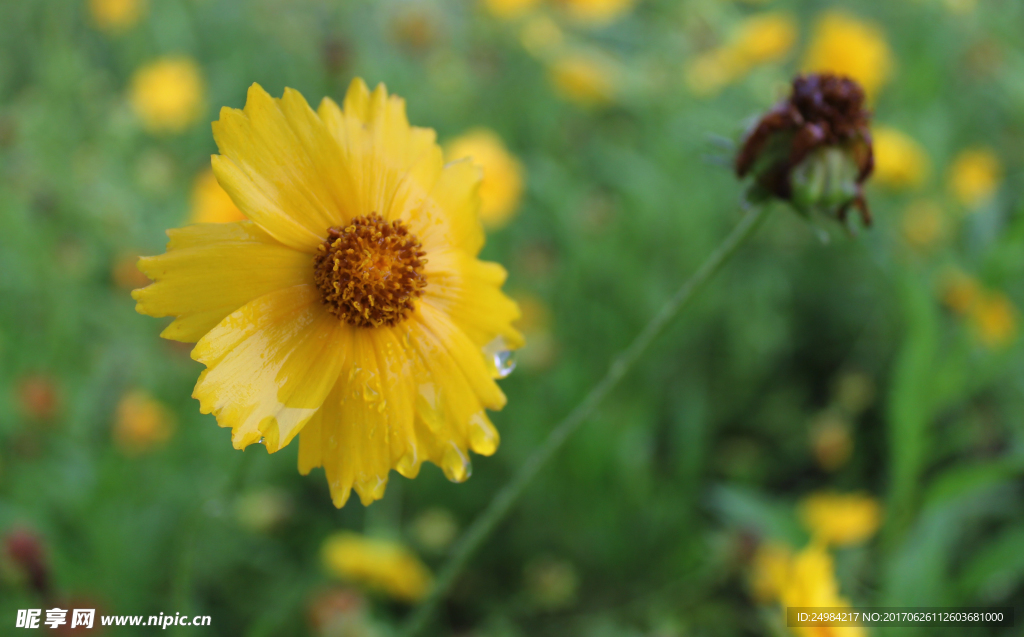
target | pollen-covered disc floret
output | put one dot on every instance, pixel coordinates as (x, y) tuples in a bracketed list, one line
[(369, 272)]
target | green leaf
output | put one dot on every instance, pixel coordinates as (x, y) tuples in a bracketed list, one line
[(911, 401), (997, 568)]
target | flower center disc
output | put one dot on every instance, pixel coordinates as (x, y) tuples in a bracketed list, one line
[(369, 272)]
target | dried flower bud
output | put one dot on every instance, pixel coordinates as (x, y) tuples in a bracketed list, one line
[(25, 550), (814, 149)]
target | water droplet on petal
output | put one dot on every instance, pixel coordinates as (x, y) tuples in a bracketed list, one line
[(455, 464), (499, 358), (504, 363), (370, 394), (261, 441)]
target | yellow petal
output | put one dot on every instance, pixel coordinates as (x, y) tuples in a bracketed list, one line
[(451, 343), (355, 440), (450, 217), (398, 391), (398, 171), (211, 270), (454, 387), (469, 292), (270, 366), (282, 168)]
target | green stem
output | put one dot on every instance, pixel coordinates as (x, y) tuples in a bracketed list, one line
[(510, 494)]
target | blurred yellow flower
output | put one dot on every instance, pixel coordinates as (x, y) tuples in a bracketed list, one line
[(596, 12), (855, 392), (811, 582), (764, 37), (845, 45), (508, 9), (961, 7), (831, 440), (379, 564), (502, 185), (141, 423), (975, 176), (210, 202), (260, 511), (435, 529), (706, 74), (900, 162), (167, 94), (116, 15), (552, 583), (924, 224), (759, 39), (541, 36), (995, 319), (295, 315), (770, 571), (959, 291), (840, 519), (584, 78), (535, 324)]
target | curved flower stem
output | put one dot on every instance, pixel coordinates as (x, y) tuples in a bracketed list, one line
[(511, 492)]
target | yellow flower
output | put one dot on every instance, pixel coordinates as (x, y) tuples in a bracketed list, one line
[(435, 529), (540, 349), (709, 72), (116, 15), (975, 176), (811, 582), (961, 7), (502, 185), (830, 440), (995, 320), (761, 38), (141, 423), (167, 94), (900, 162), (210, 203), (924, 224), (541, 36), (839, 519), (351, 305), (764, 37), (596, 12), (508, 9), (770, 571), (378, 564), (845, 45), (855, 392), (261, 511), (959, 291), (584, 78), (551, 583)]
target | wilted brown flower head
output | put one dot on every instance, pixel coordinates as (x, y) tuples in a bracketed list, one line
[(813, 149), (26, 551)]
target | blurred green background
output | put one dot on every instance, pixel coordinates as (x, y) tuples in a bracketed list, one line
[(885, 364)]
